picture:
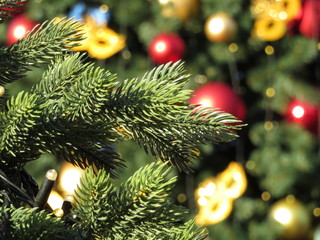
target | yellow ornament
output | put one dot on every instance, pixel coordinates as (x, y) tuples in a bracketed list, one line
[(293, 216), (220, 27), (215, 195), (286, 9), (104, 43), (269, 29), (2, 91), (235, 180), (182, 9), (213, 204)]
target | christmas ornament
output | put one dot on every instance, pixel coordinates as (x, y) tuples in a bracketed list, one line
[(18, 27), (104, 42), (182, 9), (219, 95), (293, 217), (2, 90), (307, 22), (167, 47), (215, 195), (220, 27), (100, 41), (269, 29), (303, 114), (272, 17)]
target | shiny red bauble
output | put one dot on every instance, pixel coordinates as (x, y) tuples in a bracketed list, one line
[(303, 114), (307, 22), (168, 47), (18, 27), (219, 95)]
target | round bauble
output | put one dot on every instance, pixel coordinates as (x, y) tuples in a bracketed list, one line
[(310, 19), (293, 217), (2, 90), (168, 47), (18, 27), (182, 9), (220, 27), (219, 95), (303, 114)]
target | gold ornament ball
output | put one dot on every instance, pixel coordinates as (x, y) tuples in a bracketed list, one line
[(220, 27), (182, 9), (2, 91), (293, 216)]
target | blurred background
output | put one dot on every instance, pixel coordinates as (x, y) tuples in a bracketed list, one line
[(258, 60)]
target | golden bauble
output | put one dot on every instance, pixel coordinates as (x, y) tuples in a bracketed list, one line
[(220, 27), (182, 9), (2, 90), (293, 217)]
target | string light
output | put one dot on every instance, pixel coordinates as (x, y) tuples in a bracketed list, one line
[(265, 196), (270, 92), (298, 112), (316, 212), (233, 47), (269, 50), (268, 125), (55, 200)]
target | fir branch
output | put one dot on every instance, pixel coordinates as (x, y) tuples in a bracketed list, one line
[(155, 113), (30, 224), (23, 114), (38, 46), (10, 8), (140, 209), (74, 89)]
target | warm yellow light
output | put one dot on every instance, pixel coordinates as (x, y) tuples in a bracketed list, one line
[(51, 175), (69, 178), (19, 31), (316, 212), (233, 47), (268, 125), (182, 198), (265, 196), (283, 15), (103, 8), (270, 92), (269, 50), (55, 200), (298, 112), (216, 25), (160, 47), (282, 215)]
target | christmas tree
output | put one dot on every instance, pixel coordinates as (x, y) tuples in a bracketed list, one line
[(257, 60), (78, 112)]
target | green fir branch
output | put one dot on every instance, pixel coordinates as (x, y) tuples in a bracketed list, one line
[(30, 224), (23, 114), (140, 209), (38, 46), (155, 113)]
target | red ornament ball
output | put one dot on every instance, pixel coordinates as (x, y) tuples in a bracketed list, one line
[(220, 95), (166, 48), (18, 27), (307, 21), (303, 114)]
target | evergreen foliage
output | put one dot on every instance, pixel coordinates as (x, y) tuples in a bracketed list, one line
[(78, 112)]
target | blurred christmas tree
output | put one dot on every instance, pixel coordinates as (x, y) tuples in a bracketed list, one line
[(257, 60)]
